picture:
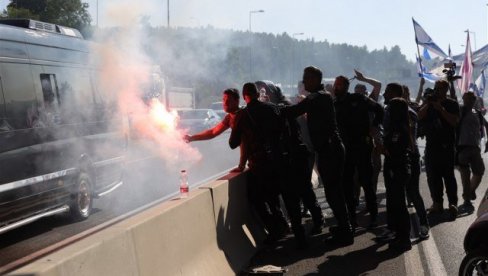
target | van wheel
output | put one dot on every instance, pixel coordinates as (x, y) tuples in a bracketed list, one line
[(475, 263), (82, 198)]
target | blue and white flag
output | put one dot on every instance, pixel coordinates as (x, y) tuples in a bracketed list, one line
[(422, 71), (479, 85), (430, 49)]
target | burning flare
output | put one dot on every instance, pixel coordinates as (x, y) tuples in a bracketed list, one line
[(165, 120)]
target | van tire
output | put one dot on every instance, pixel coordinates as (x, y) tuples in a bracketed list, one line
[(82, 198)]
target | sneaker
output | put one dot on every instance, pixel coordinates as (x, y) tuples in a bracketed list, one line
[(453, 212), (424, 232), (467, 206), (385, 236), (436, 208)]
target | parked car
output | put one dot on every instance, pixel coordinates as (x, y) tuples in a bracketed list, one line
[(196, 120), (60, 145), (476, 243)]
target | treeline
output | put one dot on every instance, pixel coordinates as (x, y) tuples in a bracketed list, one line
[(211, 59)]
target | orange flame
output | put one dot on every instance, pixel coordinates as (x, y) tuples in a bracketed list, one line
[(165, 120)]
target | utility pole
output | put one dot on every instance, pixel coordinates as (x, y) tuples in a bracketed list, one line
[(168, 12)]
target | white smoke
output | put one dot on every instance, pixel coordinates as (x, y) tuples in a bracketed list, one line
[(124, 70)]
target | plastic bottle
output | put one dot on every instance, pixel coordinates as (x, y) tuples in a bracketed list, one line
[(184, 189)]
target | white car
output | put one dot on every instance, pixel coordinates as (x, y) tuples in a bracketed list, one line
[(196, 120)]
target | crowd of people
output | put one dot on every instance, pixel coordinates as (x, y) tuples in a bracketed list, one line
[(342, 135)]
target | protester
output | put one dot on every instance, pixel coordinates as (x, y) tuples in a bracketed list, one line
[(440, 117), (299, 177), (375, 154), (259, 127), (396, 171), (361, 88), (230, 104), (353, 119), (328, 147), (470, 163), (395, 90)]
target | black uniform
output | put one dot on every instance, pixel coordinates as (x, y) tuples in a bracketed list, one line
[(353, 118), (440, 153), (396, 172), (330, 152), (260, 127), (300, 170)]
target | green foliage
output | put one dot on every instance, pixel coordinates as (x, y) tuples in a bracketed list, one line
[(211, 59), (70, 13)]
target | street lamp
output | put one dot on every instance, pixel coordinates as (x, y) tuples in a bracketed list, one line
[(167, 11), (293, 67), (250, 41)]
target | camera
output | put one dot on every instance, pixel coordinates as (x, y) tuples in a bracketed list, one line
[(450, 71)]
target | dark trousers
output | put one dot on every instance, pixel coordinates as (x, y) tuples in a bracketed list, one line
[(413, 189), (359, 158), (263, 190), (396, 174), (330, 164), (439, 165), (302, 168)]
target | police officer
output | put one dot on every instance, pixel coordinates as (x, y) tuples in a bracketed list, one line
[(353, 118), (300, 169), (328, 147), (260, 127)]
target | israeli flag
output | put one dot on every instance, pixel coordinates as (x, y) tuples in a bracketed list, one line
[(424, 40)]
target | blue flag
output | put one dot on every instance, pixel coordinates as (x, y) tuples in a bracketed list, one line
[(423, 39)]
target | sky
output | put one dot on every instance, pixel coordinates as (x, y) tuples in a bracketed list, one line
[(374, 23)]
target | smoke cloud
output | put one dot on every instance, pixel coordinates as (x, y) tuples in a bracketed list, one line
[(125, 69)]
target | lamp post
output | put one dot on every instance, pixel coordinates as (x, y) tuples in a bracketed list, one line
[(250, 41), (293, 67), (167, 11)]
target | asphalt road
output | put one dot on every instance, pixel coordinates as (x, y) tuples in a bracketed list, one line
[(441, 254), (147, 178)]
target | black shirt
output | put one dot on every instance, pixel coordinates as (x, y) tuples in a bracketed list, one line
[(321, 119), (259, 126), (438, 131), (353, 117)]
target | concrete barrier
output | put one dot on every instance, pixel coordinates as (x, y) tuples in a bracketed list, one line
[(210, 233), (238, 232)]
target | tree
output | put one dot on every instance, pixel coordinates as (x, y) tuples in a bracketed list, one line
[(70, 13)]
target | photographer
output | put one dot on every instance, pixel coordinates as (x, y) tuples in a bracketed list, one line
[(440, 116)]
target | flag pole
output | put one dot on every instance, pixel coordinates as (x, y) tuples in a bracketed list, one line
[(418, 49)]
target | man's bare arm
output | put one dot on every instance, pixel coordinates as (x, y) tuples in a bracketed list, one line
[(375, 93), (208, 134)]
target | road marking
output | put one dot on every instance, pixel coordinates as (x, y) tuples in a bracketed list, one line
[(432, 256), (413, 261)]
